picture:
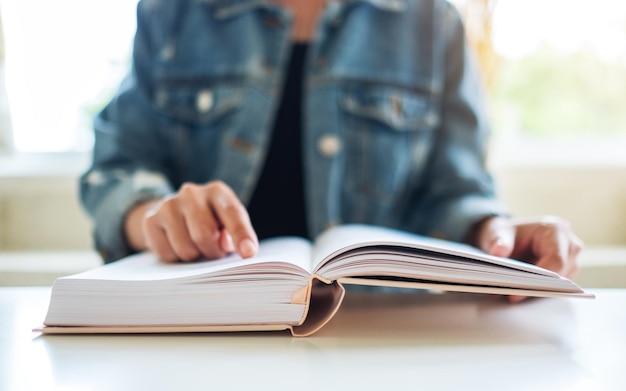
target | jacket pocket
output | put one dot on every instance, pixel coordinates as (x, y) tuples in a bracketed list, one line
[(197, 104), (388, 134)]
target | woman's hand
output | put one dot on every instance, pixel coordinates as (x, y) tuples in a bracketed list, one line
[(547, 242), (199, 221)]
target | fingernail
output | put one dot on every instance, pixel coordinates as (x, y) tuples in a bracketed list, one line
[(516, 299), (229, 246), (247, 248)]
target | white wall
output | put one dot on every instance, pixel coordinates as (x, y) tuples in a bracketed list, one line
[(42, 214), (39, 208), (592, 198)]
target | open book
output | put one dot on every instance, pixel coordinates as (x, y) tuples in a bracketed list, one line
[(291, 284)]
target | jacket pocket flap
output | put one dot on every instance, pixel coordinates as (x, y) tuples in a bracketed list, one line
[(400, 110), (199, 104)]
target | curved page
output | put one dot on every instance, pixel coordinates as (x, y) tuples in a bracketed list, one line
[(386, 254)]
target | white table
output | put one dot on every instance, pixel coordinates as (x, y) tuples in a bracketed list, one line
[(377, 342)]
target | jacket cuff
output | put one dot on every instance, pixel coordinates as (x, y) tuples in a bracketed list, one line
[(457, 218)]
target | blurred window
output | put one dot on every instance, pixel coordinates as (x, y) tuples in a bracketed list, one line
[(560, 69), (63, 61), (555, 70)]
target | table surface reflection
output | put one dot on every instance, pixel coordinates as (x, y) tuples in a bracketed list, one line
[(376, 341)]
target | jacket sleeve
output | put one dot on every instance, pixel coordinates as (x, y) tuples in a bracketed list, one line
[(459, 190), (128, 164)]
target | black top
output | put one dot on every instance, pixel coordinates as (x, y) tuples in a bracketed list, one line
[(277, 205)]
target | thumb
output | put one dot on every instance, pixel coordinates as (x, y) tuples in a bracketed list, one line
[(497, 237)]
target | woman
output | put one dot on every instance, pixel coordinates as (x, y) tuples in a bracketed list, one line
[(245, 119)]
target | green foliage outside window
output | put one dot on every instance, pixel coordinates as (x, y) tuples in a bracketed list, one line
[(547, 94)]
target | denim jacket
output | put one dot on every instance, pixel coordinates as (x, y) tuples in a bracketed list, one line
[(394, 128)]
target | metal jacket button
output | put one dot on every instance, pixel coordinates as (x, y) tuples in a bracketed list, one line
[(204, 101)]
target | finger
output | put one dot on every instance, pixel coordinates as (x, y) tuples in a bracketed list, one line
[(204, 230), (551, 246), (175, 227), (226, 242), (516, 299), (497, 237), (235, 220), (156, 240), (576, 247)]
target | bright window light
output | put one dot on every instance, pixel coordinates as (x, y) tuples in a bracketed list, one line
[(64, 60), (567, 26), (561, 70)]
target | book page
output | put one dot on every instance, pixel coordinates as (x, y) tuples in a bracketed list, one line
[(353, 235), (389, 257), (281, 253), (345, 237)]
